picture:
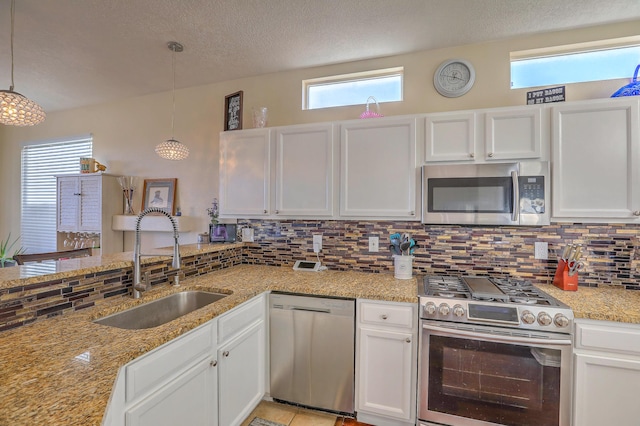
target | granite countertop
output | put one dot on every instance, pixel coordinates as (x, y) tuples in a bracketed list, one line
[(61, 371)]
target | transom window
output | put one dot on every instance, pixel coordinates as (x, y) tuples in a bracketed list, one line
[(577, 63), (353, 89)]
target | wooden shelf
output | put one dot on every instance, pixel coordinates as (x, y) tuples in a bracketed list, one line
[(151, 223)]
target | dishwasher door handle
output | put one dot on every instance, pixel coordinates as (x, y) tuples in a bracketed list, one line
[(322, 311)]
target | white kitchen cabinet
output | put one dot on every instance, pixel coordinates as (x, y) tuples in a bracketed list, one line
[(86, 203), (294, 178), (607, 373), (378, 173), (243, 360), (498, 134), (386, 354), (596, 161), (305, 162), (245, 173)]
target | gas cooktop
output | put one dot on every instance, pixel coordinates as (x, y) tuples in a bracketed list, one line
[(502, 301)]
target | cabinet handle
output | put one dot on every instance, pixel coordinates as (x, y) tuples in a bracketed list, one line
[(490, 154), (383, 316), (77, 193), (408, 340), (471, 155), (264, 211), (225, 353), (636, 213), (412, 213), (213, 363), (277, 211)]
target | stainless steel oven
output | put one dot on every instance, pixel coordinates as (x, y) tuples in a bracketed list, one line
[(493, 352)]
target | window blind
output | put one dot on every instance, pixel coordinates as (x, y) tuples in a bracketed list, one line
[(41, 162)]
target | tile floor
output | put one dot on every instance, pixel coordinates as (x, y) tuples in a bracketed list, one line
[(295, 416)]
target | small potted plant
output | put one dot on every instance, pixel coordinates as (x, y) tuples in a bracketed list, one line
[(217, 232), (5, 248)]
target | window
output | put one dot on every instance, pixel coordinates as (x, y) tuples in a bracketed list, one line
[(41, 162), (353, 89), (604, 60)]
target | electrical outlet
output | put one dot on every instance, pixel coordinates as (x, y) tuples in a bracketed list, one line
[(541, 250), (317, 243), (373, 244)]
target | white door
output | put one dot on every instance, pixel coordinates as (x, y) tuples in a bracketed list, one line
[(596, 160), (606, 390), (305, 170), (90, 215), (385, 373), (450, 136), (513, 134), (378, 169), (241, 375), (245, 172), (68, 204), (191, 399)]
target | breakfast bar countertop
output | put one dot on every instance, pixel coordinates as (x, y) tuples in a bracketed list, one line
[(61, 371)]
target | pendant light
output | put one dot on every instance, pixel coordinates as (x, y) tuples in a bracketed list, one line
[(172, 149), (16, 109)]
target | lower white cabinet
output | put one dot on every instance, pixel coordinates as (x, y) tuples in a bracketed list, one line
[(607, 374), (386, 354)]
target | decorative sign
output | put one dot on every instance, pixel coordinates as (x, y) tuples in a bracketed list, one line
[(545, 96), (233, 111)]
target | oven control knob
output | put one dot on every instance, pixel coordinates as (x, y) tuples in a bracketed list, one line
[(560, 320), (430, 308), (528, 317), (458, 311), (544, 318), (444, 309)]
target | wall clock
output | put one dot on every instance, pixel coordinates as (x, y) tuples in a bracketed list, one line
[(454, 77)]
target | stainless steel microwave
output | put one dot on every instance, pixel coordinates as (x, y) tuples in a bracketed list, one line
[(515, 193)]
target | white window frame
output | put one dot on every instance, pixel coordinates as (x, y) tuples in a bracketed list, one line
[(41, 161), (352, 77), (566, 51)]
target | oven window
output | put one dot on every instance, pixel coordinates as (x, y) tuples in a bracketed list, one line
[(500, 383), (470, 195)]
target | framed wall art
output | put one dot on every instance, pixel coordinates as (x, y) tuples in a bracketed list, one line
[(233, 111), (160, 193)]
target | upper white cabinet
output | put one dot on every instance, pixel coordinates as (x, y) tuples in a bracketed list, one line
[(304, 170), (596, 161), (607, 373), (486, 135), (86, 203), (245, 171), (293, 178), (378, 171)]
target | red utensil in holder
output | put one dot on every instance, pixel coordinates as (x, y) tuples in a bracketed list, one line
[(563, 280)]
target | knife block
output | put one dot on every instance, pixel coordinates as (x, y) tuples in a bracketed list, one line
[(563, 280)]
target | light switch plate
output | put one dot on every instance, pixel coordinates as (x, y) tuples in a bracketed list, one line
[(541, 250), (317, 243), (374, 244)]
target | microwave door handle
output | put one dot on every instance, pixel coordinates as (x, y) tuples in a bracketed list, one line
[(516, 196)]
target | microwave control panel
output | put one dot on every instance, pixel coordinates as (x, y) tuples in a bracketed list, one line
[(531, 194)]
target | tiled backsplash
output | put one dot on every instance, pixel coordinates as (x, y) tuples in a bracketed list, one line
[(610, 252)]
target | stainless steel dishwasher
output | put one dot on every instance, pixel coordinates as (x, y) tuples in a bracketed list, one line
[(312, 351)]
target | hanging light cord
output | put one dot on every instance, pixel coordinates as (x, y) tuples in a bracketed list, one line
[(13, 12), (173, 101)]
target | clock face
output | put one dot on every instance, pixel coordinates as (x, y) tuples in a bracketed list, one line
[(454, 78)]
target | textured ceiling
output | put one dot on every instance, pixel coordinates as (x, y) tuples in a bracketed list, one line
[(72, 53)]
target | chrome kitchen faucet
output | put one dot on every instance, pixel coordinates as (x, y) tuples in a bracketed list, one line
[(139, 286)]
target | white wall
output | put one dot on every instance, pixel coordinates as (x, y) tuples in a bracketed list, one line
[(126, 131)]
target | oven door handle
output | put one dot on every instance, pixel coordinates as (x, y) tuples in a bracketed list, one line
[(497, 338)]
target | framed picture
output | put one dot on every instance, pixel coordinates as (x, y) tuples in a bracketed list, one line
[(160, 193), (233, 111)]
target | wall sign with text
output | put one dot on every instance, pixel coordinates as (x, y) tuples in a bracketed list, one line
[(546, 96)]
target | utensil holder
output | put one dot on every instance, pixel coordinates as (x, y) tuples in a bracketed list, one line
[(403, 267), (563, 280), (371, 114)]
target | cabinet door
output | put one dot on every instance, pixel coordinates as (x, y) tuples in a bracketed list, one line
[(596, 161), (606, 390), (378, 169), (513, 134), (245, 172), (450, 137), (385, 372), (304, 170), (188, 400), (90, 214), (68, 202), (241, 376)]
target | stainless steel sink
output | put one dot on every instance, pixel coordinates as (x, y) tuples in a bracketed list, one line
[(160, 311)]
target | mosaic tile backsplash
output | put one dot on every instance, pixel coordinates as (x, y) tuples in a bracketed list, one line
[(610, 252)]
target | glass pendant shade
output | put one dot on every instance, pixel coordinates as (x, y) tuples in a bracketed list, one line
[(17, 110), (172, 149)]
